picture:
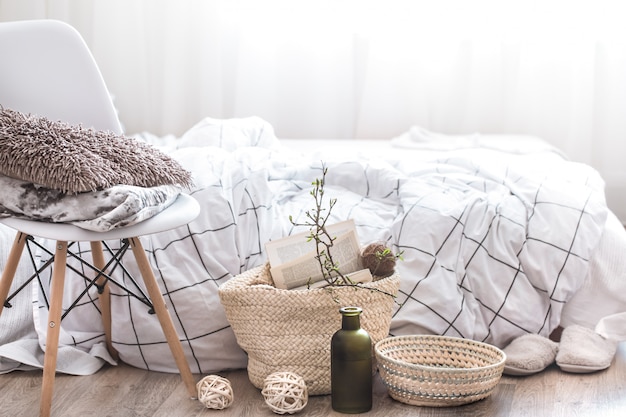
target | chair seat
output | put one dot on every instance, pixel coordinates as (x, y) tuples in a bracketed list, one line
[(180, 212)]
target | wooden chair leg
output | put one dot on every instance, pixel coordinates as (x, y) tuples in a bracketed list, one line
[(10, 267), (104, 296), (163, 315), (54, 328)]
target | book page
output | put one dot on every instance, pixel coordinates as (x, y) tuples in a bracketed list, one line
[(361, 276), (289, 248), (295, 264)]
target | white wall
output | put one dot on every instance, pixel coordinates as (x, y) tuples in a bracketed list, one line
[(366, 68)]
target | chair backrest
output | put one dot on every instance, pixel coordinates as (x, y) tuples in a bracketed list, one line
[(46, 69)]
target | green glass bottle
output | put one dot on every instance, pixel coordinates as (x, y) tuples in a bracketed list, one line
[(351, 365)]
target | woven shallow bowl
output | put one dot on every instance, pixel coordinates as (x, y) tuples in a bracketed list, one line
[(438, 371)]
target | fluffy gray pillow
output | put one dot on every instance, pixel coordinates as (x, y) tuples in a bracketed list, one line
[(73, 159)]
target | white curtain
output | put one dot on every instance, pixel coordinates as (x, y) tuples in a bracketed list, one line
[(367, 68)]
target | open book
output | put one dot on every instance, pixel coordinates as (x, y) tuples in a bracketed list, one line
[(293, 264)]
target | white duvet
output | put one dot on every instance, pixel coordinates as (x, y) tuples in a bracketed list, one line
[(495, 243)]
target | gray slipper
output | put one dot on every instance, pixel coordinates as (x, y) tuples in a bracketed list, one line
[(582, 350), (529, 354)]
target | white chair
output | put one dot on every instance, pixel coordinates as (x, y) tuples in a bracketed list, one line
[(47, 70)]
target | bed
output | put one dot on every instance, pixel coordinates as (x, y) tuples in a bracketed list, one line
[(501, 235)]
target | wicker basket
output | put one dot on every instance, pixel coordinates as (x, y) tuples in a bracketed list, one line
[(438, 371), (290, 330)]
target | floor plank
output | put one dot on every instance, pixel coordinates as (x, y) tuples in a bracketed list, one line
[(123, 391)]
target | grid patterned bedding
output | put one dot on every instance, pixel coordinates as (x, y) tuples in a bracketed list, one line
[(495, 243)]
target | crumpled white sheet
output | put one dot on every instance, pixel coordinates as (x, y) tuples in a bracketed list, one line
[(600, 303), (492, 249), (418, 137)]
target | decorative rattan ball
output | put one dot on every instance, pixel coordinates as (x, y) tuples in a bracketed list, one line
[(374, 260), (215, 392), (285, 392)]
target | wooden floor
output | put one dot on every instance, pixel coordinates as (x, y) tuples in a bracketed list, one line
[(123, 391)]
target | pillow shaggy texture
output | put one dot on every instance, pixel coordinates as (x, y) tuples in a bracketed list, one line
[(73, 159)]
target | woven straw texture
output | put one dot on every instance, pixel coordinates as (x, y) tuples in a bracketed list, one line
[(438, 371), (290, 330)]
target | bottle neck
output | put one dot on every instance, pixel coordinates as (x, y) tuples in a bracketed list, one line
[(350, 322)]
